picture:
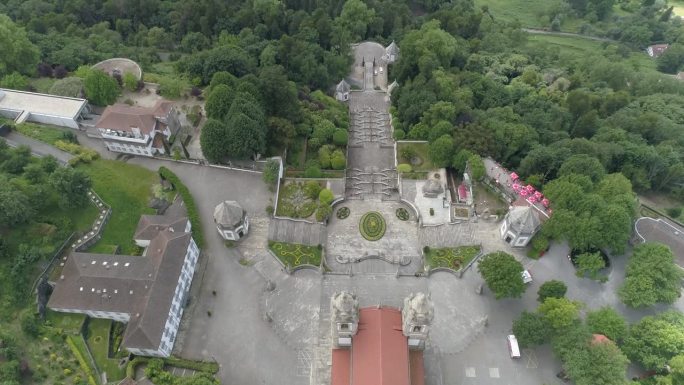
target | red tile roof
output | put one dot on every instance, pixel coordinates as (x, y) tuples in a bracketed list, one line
[(379, 354), (341, 368)]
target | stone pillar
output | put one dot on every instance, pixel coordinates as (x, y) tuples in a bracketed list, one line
[(344, 318), (416, 317)]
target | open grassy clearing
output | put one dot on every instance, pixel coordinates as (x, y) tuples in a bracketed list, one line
[(43, 133), (577, 46), (127, 189), (415, 154), (98, 343)]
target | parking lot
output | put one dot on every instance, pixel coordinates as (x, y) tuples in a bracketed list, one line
[(664, 231)]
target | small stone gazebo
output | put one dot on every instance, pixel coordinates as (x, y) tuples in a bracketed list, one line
[(342, 91), (231, 220)]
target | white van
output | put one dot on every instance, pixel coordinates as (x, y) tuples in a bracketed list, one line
[(513, 348)]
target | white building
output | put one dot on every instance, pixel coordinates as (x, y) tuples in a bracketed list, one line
[(231, 220), (147, 292), (22, 106), (138, 130), (342, 91), (520, 225)]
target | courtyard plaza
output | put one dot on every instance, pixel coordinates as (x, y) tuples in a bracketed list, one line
[(264, 326)]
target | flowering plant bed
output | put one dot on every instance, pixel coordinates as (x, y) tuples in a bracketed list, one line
[(451, 257), (294, 254), (372, 226), (342, 213)]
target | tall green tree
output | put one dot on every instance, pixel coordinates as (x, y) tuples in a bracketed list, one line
[(552, 288), (214, 140), (655, 340), (503, 274), (560, 313), (100, 88), (14, 205), (609, 322), (219, 101), (19, 54), (531, 329), (72, 185), (600, 363), (651, 276)]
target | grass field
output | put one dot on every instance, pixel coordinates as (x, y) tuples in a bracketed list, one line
[(98, 343), (43, 133), (678, 7), (419, 153), (578, 46), (127, 189)]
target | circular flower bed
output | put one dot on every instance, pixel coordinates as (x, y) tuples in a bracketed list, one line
[(402, 214), (372, 226), (342, 213)]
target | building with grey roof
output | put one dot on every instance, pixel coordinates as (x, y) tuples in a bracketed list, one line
[(22, 106), (147, 292), (342, 91), (520, 224), (231, 220)]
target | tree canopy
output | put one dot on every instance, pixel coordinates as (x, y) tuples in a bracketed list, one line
[(502, 272), (651, 276)]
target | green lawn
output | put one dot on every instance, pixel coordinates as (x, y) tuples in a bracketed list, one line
[(98, 343), (293, 254), (127, 189), (578, 46), (68, 322), (43, 133), (419, 156), (452, 257)]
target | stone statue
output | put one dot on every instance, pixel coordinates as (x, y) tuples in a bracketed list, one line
[(417, 315), (344, 317)]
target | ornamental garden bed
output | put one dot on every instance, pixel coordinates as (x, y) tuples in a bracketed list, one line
[(298, 199), (372, 226), (454, 258), (295, 254)]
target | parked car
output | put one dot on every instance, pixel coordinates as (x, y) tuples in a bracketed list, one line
[(526, 276), (572, 257)]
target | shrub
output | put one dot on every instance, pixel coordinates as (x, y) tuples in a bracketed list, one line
[(432, 211), (313, 171), (193, 214), (407, 153), (674, 212), (404, 167), (30, 325), (343, 213), (323, 212), (426, 249), (552, 288), (399, 134), (326, 196), (325, 156), (312, 189), (340, 137), (271, 170), (82, 361), (402, 214), (130, 82), (338, 161)]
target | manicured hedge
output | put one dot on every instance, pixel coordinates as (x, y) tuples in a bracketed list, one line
[(82, 360), (168, 175), (201, 366), (372, 226)]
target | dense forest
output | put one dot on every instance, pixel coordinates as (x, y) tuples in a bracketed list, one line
[(588, 129)]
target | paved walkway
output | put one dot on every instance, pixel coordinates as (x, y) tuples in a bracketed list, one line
[(38, 148), (663, 231), (290, 231)]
